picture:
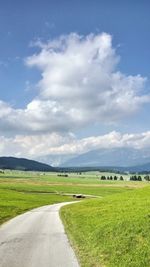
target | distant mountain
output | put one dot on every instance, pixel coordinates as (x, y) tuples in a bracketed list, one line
[(23, 164), (139, 168), (145, 168), (54, 160), (120, 157), (123, 162)]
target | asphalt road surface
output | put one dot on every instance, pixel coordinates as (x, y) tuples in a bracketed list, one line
[(36, 239)]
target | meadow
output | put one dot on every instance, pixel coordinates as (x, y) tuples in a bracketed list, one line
[(110, 227), (21, 191), (113, 231)]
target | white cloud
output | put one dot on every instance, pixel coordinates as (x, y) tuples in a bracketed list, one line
[(79, 74), (54, 144), (111, 140), (32, 145), (80, 85)]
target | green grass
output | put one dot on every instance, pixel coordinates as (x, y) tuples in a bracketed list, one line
[(63, 188), (110, 231), (13, 203), (22, 191), (113, 231), (84, 177)]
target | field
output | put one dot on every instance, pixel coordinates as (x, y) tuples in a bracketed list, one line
[(113, 231), (21, 191), (108, 228)]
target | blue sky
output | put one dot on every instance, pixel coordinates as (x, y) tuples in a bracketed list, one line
[(23, 23)]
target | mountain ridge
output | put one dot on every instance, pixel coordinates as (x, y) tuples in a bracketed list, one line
[(23, 164), (121, 157)]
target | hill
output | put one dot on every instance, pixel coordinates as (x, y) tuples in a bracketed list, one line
[(13, 163)]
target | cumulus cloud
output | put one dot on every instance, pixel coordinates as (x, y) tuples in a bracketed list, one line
[(32, 145), (80, 85), (54, 144), (79, 74), (111, 140)]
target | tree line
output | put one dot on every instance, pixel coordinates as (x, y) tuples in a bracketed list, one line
[(132, 178), (103, 177)]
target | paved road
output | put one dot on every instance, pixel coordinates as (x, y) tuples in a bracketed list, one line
[(36, 239)]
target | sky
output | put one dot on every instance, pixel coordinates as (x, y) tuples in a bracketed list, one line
[(74, 76)]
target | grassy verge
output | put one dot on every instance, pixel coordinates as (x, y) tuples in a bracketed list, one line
[(113, 231)]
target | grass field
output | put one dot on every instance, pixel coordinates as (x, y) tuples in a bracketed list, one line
[(13, 203), (51, 183), (112, 230), (21, 191)]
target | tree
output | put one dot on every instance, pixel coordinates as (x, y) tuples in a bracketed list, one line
[(103, 177), (147, 178)]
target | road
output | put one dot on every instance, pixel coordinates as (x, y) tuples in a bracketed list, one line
[(36, 239)]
